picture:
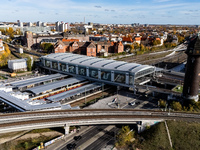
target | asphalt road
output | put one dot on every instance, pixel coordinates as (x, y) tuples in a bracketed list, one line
[(94, 139), (85, 136), (107, 139)]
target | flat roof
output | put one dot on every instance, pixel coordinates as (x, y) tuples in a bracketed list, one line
[(23, 105), (15, 102), (95, 62), (54, 85), (67, 94), (31, 81)]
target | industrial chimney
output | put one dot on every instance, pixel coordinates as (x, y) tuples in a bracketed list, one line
[(192, 74)]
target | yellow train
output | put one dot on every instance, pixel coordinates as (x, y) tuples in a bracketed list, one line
[(51, 93)]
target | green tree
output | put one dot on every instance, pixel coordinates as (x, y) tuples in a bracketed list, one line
[(29, 66)]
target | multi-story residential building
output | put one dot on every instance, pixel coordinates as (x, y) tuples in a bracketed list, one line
[(38, 23), (1, 45)]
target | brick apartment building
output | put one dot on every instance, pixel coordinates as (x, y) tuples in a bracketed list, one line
[(87, 48)]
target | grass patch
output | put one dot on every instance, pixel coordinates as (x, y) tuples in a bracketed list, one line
[(178, 88), (10, 135), (184, 136), (27, 144), (155, 138), (47, 130)]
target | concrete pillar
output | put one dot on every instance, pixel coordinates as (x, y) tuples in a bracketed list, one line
[(112, 76), (58, 66), (87, 71), (77, 69), (50, 64), (66, 127), (67, 67), (99, 74), (153, 94), (127, 78)]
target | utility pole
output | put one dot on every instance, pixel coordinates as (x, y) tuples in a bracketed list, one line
[(85, 96), (118, 98)]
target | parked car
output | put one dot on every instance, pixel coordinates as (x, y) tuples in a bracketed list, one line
[(132, 103), (114, 100)]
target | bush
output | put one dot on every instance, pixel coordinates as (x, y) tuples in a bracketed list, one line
[(176, 106)]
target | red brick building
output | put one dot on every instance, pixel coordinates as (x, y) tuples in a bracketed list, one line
[(87, 48)]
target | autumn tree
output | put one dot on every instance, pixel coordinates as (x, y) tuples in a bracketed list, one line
[(125, 137), (129, 47), (156, 42), (4, 56), (162, 103), (176, 106), (47, 47)]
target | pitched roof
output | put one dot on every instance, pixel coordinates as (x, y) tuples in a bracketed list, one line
[(70, 40), (127, 39)]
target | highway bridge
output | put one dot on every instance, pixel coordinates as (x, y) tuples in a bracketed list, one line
[(66, 118)]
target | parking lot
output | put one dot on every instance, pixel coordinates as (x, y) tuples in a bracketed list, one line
[(123, 100)]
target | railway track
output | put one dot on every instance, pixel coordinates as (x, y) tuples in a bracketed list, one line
[(82, 101), (90, 116)]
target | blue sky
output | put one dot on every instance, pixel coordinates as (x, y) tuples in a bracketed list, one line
[(102, 11)]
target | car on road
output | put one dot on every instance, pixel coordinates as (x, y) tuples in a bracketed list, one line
[(137, 103), (77, 138), (71, 146), (132, 103)]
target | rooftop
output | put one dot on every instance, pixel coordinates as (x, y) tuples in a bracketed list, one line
[(54, 85), (100, 63)]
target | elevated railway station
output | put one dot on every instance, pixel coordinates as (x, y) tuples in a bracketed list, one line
[(112, 72)]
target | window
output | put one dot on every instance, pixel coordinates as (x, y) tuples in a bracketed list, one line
[(105, 75), (72, 69), (119, 78), (93, 73)]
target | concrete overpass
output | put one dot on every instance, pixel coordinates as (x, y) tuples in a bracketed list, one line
[(66, 118)]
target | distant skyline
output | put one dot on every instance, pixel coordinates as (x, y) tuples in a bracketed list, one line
[(102, 11)]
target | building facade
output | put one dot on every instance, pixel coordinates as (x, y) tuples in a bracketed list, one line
[(87, 48), (98, 69)]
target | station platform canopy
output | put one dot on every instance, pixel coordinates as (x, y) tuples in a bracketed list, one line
[(36, 80), (74, 92), (54, 85)]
